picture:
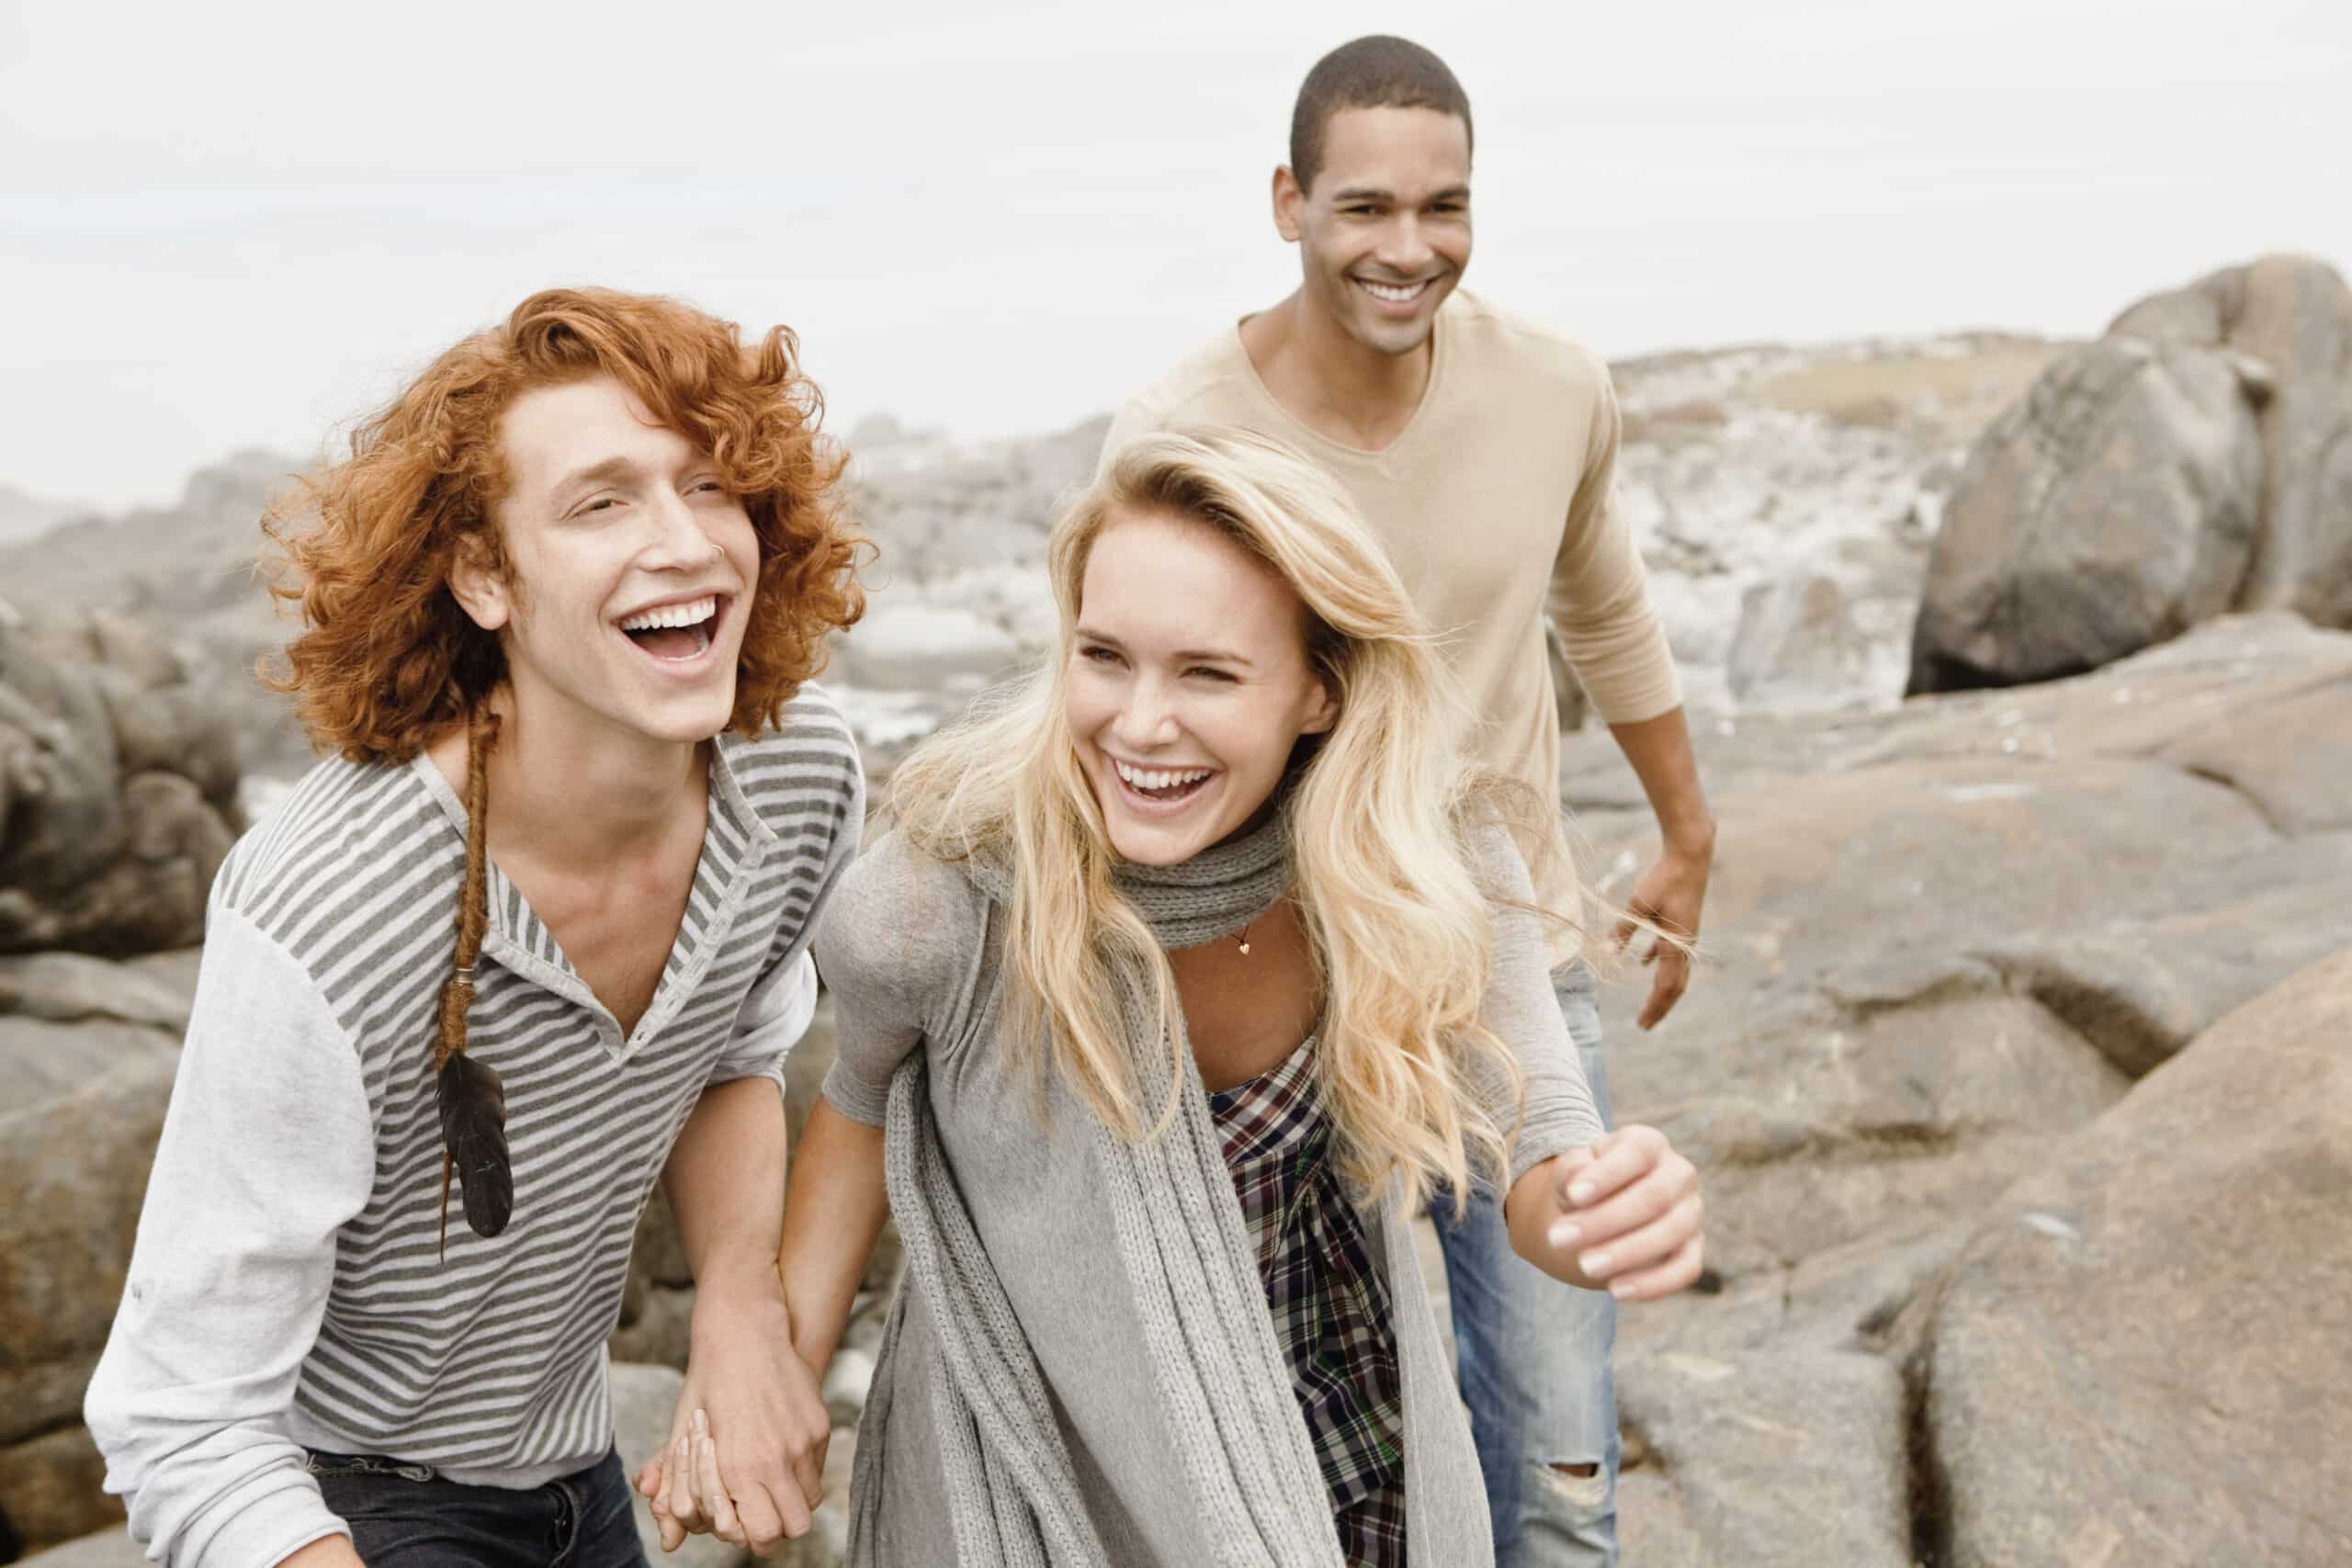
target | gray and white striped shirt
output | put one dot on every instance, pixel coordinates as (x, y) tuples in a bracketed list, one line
[(285, 1291)]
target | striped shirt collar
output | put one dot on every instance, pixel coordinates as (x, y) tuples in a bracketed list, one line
[(735, 840)]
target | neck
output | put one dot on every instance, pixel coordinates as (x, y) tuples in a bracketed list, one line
[(577, 796), (1334, 384)]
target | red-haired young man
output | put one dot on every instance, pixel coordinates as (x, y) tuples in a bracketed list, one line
[(533, 937)]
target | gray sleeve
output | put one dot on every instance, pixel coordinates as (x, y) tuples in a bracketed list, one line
[(1521, 1007), (267, 1150), (778, 1010), (903, 932)]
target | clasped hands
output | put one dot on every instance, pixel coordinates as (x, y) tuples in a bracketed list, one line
[(745, 1459)]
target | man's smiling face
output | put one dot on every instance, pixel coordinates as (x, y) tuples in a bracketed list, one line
[(1384, 230), (630, 569)]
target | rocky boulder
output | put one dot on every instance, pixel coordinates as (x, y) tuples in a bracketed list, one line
[(2142, 1351), (1943, 938), (75, 1172), (51, 1489), (2195, 461), (118, 788), (1941, 943), (1753, 1460), (1795, 636), (2293, 315)]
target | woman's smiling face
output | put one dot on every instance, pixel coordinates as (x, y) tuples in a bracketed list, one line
[(1189, 683)]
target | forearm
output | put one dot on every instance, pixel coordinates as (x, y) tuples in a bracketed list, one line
[(832, 1217), (329, 1551), (725, 1179), (1659, 751)]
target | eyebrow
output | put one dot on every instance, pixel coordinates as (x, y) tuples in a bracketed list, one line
[(1204, 655), (1373, 193), (602, 472)]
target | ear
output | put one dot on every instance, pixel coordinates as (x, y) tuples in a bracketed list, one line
[(1322, 710), (479, 592), (1288, 199)]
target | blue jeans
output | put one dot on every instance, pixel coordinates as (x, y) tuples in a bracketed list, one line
[(1534, 1359), (404, 1516)]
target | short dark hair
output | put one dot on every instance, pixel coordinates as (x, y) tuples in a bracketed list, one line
[(1378, 71)]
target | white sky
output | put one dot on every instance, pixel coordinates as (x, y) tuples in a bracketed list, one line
[(242, 223)]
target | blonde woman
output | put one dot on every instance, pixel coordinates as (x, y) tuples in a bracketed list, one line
[(1182, 978)]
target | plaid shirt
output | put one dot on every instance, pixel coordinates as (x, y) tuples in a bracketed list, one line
[(1330, 1305)]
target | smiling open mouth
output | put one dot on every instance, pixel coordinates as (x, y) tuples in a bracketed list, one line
[(1162, 786), (1394, 293), (676, 632)]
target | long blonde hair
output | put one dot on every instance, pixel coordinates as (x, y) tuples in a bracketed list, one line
[(1378, 820)]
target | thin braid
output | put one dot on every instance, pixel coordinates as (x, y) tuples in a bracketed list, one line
[(473, 900), (473, 916)]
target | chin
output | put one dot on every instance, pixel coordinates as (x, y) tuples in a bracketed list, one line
[(1141, 843), (1396, 339), (688, 724), (1153, 849)]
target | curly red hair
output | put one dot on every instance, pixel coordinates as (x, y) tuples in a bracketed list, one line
[(387, 660)]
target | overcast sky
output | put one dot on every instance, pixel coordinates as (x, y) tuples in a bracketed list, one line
[(242, 224)]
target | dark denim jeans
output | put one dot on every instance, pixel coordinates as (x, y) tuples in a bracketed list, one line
[(404, 1516)]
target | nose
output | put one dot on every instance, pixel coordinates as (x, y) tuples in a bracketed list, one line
[(675, 540), (1403, 247), (1147, 721)]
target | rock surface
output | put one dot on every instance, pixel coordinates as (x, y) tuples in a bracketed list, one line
[(1741, 467), (50, 1488), (2118, 505), (106, 1549), (1943, 943), (2195, 461), (119, 785), (75, 1170), (2142, 1351), (1793, 1459)]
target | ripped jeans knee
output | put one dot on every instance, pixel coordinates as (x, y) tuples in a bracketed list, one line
[(1581, 1485)]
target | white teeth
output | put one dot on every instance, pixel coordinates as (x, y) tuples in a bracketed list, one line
[(1399, 292), (693, 612), (1146, 778)]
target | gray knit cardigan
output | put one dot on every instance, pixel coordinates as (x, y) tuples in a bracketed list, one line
[(1081, 1369)]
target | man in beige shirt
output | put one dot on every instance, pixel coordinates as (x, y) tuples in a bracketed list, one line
[(1481, 447)]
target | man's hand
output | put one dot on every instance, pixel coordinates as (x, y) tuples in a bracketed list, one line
[(1623, 1215), (1668, 895), (746, 1454)]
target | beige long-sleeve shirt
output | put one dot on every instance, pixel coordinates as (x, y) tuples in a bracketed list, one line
[(1495, 504)]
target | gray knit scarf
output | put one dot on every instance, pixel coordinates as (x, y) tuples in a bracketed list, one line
[(1241, 1445)]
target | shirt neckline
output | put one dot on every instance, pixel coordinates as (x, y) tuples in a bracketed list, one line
[(734, 840), (1439, 337)]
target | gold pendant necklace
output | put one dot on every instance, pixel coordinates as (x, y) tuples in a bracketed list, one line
[(1245, 938)]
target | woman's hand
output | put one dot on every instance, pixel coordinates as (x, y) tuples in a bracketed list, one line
[(688, 1497), (1623, 1215)]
